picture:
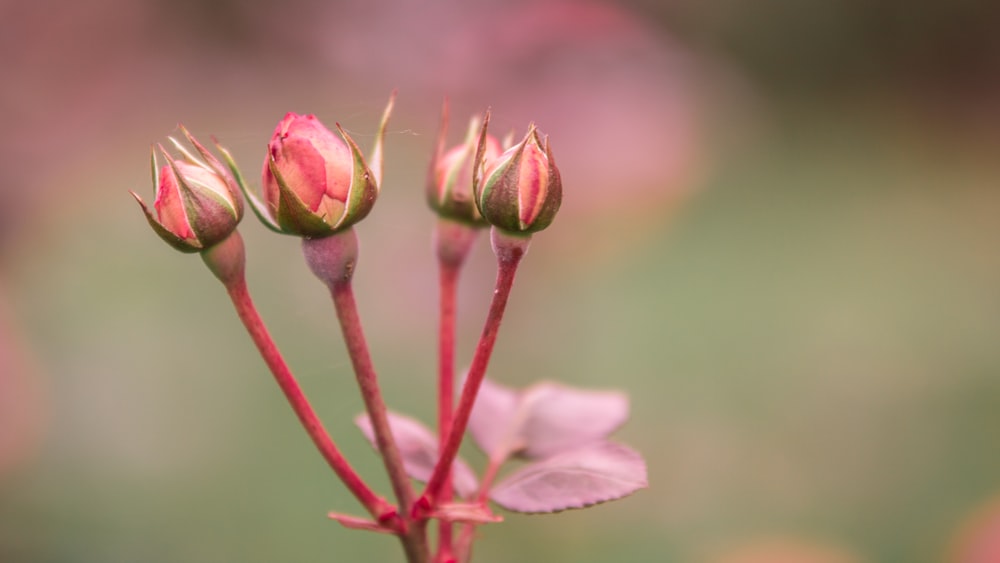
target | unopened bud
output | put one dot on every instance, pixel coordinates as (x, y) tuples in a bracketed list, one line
[(449, 186), (198, 203), (519, 191), (315, 183)]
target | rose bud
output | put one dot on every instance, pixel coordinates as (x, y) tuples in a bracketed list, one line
[(449, 185), (520, 191), (316, 184), (198, 202)]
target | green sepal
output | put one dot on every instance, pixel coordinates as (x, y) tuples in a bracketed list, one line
[(258, 207), (233, 175), (445, 204), (459, 205), (553, 198), (167, 236), (293, 216), (480, 162), (156, 169), (498, 201), (433, 199), (182, 244), (211, 217), (376, 158), (363, 191)]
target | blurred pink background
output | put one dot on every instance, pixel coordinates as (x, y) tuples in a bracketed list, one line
[(779, 236)]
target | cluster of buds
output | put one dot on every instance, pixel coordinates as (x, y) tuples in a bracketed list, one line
[(317, 185), (515, 188), (450, 183)]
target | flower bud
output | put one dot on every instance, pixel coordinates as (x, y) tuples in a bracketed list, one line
[(316, 184), (519, 191), (449, 186), (198, 202)]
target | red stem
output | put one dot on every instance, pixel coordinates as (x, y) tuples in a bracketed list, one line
[(378, 507), (506, 269), (453, 241), (488, 477), (446, 349), (414, 537), (446, 384), (463, 546)]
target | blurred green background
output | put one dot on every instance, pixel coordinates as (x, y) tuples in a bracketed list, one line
[(779, 237)]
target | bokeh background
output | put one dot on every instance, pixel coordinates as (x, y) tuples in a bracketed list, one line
[(779, 235)]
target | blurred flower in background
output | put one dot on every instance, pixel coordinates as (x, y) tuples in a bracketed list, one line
[(978, 539), (785, 551)]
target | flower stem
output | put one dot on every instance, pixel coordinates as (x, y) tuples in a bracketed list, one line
[(446, 393), (453, 241), (226, 261), (333, 260), (463, 546), (414, 539), (357, 348), (509, 250)]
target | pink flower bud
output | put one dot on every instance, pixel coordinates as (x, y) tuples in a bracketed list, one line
[(197, 203), (519, 191), (449, 187), (316, 184)]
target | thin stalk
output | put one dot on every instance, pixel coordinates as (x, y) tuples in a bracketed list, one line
[(446, 384), (487, 481), (453, 240), (463, 546), (378, 507), (509, 253), (414, 538), (333, 259)]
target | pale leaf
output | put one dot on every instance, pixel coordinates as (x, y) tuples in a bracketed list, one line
[(493, 416), (357, 523), (577, 478), (543, 419), (467, 513), (419, 448), (558, 418)]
